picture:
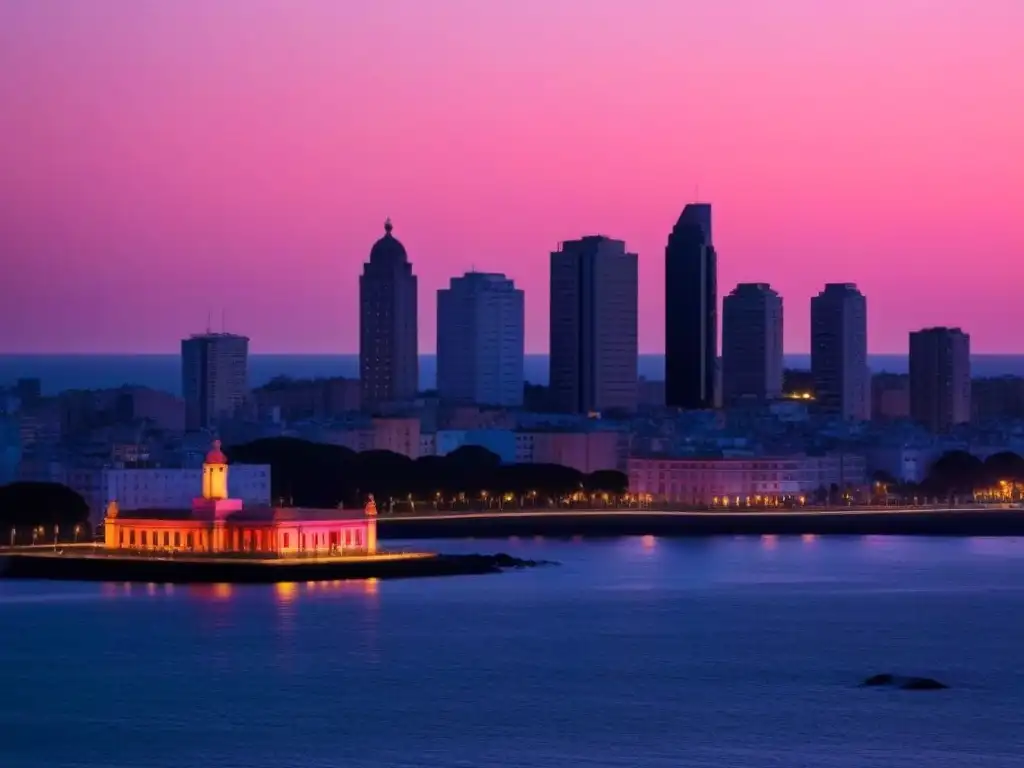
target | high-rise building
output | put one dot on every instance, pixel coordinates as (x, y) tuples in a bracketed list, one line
[(691, 310), (593, 316), (751, 343), (940, 378), (214, 378), (480, 318), (839, 351), (388, 353)]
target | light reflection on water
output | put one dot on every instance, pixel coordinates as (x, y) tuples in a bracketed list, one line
[(633, 652)]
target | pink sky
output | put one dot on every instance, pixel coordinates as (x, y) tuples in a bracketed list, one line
[(163, 160)]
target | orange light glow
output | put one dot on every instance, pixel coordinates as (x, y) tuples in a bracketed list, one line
[(285, 591)]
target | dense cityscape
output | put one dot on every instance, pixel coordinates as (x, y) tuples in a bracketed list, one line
[(731, 429)]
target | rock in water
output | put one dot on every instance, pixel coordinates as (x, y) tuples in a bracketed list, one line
[(922, 684), (879, 680)]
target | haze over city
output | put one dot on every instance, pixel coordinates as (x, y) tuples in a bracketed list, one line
[(166, 161)]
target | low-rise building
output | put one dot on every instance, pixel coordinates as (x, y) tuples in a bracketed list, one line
[(706, 481)]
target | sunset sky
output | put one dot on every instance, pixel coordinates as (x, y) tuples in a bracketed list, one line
[(162, 161)]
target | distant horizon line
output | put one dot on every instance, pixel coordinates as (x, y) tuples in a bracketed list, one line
[(164, 353)]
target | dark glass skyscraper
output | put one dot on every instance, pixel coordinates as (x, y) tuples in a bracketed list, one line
[(691, 310)]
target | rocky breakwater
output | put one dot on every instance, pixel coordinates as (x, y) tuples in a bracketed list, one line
[(71, 566)]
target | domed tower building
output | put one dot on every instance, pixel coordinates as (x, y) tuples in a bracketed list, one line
[(388, 352)]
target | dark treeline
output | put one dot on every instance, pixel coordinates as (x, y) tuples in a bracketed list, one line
[(318, 475), (959, 473), (25, 508)]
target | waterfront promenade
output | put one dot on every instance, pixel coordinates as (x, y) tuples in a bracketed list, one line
[(974, 520)]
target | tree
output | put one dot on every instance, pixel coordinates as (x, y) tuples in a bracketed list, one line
[(29, 505), (954, 472), (606, 481), (1005, 466)]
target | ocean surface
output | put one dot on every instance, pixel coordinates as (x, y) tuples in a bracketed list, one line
[(60, 372), (633, 653)]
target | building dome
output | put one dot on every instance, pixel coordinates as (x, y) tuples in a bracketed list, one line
[(388, 249), (216, 455)]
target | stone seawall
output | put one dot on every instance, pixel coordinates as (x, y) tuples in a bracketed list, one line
[(972, 522)]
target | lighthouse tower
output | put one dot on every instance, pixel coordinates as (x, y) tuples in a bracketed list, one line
[(214, 501)]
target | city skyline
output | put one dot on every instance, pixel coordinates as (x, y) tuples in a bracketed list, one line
[(828, 147)]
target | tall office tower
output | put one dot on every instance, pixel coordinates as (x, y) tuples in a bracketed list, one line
[(388, 354), (691, 310), (751, 343), (214, 378), (480, 318), (593, 316), (839, 351), (940, 378)]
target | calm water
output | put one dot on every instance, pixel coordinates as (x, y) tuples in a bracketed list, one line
[(721, 652), (59, 372)]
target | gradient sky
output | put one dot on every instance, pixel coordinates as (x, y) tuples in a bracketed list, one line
[(161, 161)]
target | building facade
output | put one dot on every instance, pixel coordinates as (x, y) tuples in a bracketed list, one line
[(388, 336), (704, 482), (751, 344), (216, 523), (587, 451), (593, 326), (839, 352), (691, 311), (214, 378), (169, 488), (940, 378), (480, 340)]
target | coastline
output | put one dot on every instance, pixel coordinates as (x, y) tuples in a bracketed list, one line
[(597, 523), (83, 566)]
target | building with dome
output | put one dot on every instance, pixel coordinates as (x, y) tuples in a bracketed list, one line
[(388, 348), (216, 523)]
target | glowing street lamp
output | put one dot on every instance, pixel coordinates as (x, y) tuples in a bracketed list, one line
[(78, 530), (13, 534)]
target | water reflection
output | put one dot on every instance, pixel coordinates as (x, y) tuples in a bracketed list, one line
[(809, 538), (769, 541), (647, 541)]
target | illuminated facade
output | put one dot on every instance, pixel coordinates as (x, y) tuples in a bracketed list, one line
[(700, 481), (217, 523)]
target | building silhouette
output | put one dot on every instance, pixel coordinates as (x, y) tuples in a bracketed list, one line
[(751, 344), (480, 340), (839, 351), (940, 378), (691, 310), (593, 326), (214, 378), (388, 354)]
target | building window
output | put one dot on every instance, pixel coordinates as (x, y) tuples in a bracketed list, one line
[(177, 539), (285, 539), (143, 538), (167, 539)]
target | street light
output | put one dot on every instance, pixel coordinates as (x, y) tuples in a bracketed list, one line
[(78, 529), (13, 534)]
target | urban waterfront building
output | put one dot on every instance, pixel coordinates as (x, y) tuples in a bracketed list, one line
[(215, 522), (940, 378), (214, 378), (388, 353), (480, 340), (174, 488), (839, 352), (751, 344), (691, 311), (593, 326), (708, 481)]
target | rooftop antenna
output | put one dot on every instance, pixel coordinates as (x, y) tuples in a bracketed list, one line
[(209, 320), (223, 324)]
